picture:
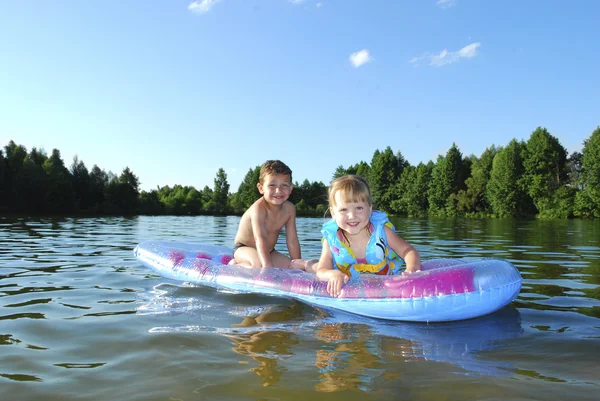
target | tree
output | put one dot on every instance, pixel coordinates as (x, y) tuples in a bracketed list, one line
[(473, 199), (31, 184), (98, 182), (13, 161), (505, 191), (308, 197), (60, 196), (193, 201), (3, 203), (544, 161), (383, 176), (410, 194), (361, 169), (122, 194), (574, 169), (150, 203), (587, 201), (173, 199), (247, 192), (340, 171), (447, 179), (220, 194), (82, 184)]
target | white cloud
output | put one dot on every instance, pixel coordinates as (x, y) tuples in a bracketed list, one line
[(359, 58), (296, 1), (202, 6), (469, 51), (445, 57), (445, 3), (319, 5)]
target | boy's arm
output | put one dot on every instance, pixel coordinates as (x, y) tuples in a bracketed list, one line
[(405, 250), (259, 230), (291, 235), (325, 271)]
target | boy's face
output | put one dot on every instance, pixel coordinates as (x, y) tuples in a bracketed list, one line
[(276, 188)]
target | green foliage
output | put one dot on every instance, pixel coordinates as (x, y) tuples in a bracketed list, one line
[(12, 163), (60, 195), (447, 179), (410, 194), (302, 209), (591, 160), (574, 169), (178, 200), (3, 202), (321, 210), (559, 206), (98, 181), (82, 185), (505, 190), (586, 205), (544, 161), (472, 201), (385, 170), (340, 171), (31, 184), (220, 196), (150, 203), (309, 197), (587, 201), (121, 194), (520, 179), (247, 192), (363, 169)]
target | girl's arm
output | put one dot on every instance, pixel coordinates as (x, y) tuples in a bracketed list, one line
[(325, 271), (405, 250)]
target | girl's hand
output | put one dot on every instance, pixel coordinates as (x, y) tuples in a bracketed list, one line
[(336, 282), (412, 270)]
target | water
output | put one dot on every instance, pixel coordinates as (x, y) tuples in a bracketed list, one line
[(81, 319)]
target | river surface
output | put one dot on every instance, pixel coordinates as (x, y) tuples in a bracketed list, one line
[(81, 319)]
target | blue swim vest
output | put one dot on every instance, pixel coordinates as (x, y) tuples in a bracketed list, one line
[(380, 259)]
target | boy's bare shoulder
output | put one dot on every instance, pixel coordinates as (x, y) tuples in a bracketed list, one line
[(289, 207), (258, 206)]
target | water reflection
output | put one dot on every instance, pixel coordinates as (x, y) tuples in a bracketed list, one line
[(267, 348), (349, 357), (354, 350), (348, 351)]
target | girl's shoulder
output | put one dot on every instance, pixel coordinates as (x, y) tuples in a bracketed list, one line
[(378, 216)]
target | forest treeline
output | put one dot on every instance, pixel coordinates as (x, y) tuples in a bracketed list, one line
[(521, 179)]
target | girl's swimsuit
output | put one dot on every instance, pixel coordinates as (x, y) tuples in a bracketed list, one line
[(380, 259)]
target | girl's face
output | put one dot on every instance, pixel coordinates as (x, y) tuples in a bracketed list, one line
[(351, 217)]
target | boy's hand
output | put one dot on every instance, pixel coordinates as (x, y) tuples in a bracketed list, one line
[(306, 265), (298, 264), (336, 282)]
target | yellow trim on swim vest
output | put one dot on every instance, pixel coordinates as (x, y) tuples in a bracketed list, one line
[(366, 267)]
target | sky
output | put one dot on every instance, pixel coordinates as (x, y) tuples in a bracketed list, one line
[(176, 89)]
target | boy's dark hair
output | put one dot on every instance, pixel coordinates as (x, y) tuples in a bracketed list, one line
[(273, 167)]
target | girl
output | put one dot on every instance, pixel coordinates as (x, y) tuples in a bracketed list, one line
[(358, 239)]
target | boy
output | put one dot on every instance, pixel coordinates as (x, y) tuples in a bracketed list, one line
[(254, 244)]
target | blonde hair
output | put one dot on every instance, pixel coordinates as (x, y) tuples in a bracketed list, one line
[(353, 188)]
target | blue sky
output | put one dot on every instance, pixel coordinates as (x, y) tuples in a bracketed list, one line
[(177, 89)]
